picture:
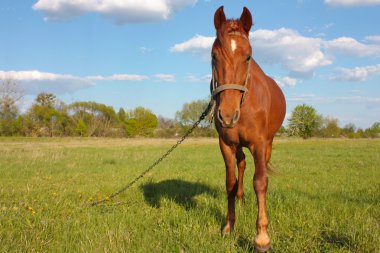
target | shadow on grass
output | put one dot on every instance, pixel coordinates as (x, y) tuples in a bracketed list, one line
[(336, 240), (245, 244), (182, 193), (179, 191)]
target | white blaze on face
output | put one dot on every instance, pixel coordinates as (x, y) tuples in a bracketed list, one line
[(233, 45)]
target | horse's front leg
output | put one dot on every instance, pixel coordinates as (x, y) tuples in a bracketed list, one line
[(229, 154), (260, 184)]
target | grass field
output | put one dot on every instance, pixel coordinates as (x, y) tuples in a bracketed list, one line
[(323, 197)]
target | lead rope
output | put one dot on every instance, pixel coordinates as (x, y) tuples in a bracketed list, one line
[(188, 132)]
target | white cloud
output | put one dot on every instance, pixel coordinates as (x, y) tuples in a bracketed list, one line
[(349, 3), (357, 74), (32, 75), (285, 81), (198, 79), (120, 11), (312, 98), (351, 47), (145, 50), (296, 53), (165, 78), (358, 99), (373, 38), (118, 77), (35, 81), (198, 44)]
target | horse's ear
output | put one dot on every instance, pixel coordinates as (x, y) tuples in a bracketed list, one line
[(219, 18), (246, 20)]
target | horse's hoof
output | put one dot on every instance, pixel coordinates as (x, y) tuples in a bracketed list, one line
[(263, 249), (241, 200), (226, 231)]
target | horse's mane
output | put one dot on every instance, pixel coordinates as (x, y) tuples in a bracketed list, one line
[(232, 26)]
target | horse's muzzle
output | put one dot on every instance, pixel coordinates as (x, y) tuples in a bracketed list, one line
[(226, 120)]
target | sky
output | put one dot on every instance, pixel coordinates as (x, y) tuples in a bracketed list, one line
[(156, 53)]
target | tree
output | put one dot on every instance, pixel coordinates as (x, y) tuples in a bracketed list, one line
[(304, 121), (349, 130), (190, 113), (47, 117), (10, 95), (330, 128), (46, 99), (121, 115), (166, 127), (373, 131), (375, 128), (140, 122), (281, 131), (94, 119)]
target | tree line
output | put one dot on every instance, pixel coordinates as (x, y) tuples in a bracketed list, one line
[(305, 122), (49, 117)]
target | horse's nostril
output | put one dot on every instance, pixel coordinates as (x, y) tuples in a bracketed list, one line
[(236, 116), (220, 115), (228, 120)]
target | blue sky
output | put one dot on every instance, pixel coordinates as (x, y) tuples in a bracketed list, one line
[(156, 53)]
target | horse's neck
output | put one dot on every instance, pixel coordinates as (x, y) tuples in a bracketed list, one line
[(258, 82)]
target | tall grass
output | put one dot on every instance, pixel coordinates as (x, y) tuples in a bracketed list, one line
[(323, 197)]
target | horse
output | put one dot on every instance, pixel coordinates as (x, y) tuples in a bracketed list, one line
[(249, 109)]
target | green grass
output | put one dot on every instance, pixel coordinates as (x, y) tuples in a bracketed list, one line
[(323, 197)]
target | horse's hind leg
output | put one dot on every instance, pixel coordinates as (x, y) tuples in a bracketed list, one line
[(269, 150), (240, 161)]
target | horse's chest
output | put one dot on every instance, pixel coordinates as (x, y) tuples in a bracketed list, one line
[(235, 136)]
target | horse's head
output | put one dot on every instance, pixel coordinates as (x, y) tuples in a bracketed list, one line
[(231, 57)]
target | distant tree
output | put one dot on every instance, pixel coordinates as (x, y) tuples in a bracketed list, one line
[(304, 121), (281, 131), (166, 127), (122, 115), (94, 119), (140, 122), (349, 130), (373, 131), (10, 95), (47, 100), (190, 113), (81, 128), (360, 133), (330, 128), (47, 117)]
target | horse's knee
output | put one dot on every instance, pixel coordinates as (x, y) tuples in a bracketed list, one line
[(231, 186), (260, 183)]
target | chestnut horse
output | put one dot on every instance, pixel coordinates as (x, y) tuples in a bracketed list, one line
[(250, 109)]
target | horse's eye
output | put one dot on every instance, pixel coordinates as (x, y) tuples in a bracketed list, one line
[(248, 58), (213, 57)]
